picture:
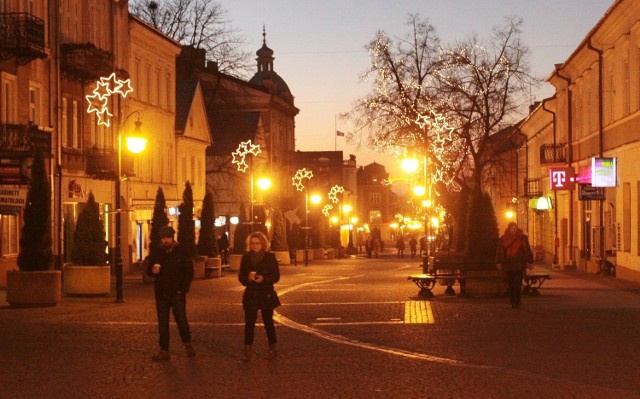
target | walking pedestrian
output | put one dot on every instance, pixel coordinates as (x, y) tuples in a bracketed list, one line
[(413, 246), (223, 246), (400, 247), (258, 273), (172, 267), (514, 254)]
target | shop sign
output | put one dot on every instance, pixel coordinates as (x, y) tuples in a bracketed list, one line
[(12, 200), (586, 192), (562, 178), (603, 172)]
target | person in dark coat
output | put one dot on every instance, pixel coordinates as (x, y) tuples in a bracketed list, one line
[(172, 268), (259, 271), (223, 246), (413, 245), (514, 254)]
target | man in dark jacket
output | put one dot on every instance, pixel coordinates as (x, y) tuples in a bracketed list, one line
[(514, 256), (172, 268)]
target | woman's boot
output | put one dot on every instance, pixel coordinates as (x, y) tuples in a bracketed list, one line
[(248, 350), (273, 353)]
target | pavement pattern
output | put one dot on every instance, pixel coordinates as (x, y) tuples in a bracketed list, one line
[(348, 328)]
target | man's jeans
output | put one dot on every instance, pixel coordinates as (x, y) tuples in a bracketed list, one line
[(177, 303)]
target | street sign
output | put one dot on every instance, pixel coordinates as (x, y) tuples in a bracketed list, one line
[(12, 200), (588, 193)]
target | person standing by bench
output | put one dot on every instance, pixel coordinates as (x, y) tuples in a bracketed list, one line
[(514, 254)]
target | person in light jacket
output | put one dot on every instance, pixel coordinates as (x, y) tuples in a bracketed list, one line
[(259, 271)]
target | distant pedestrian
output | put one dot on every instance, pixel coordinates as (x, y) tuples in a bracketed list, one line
[(413, 246), (223, 246), (400, 247), (172, 267), (259, 271), (423, 246), (514, 254)]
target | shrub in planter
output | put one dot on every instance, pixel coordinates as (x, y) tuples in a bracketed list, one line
[(242, 232), (207, 243), (187, 231), (89, 238), (35, 284)]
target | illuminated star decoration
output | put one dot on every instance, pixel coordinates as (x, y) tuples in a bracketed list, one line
[(326, 209), (333, 193), (99, 99), (301, 174), (240, 154)]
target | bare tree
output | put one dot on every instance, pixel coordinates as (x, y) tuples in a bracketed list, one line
[(442, 103), (202, 24), (485, 88)]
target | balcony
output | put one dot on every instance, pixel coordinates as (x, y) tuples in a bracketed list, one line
[(21, 36), (532, 188), (84, 62), (24, 139), (550, 154), (102, 164)]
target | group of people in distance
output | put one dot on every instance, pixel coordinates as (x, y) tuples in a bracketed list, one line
[(172, 267)]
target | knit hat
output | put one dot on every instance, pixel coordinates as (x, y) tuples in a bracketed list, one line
[(167, 231)]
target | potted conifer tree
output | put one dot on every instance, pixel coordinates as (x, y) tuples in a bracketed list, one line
[(35, 284), (187, 231), (279, 238), (239, 239), (158, 221), (207, 242), (88, 274)]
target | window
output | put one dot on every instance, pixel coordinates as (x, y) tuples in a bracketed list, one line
[(75, 131), (64, 124), (34, 105), (375, 198), (10, 234), (9, 100)]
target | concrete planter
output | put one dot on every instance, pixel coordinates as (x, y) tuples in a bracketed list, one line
[(214, 267), (86, 280), (199, 263), (234, 261), (282, 257), (34, 289)]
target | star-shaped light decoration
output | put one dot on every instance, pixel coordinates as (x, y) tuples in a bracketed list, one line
[(301, 174), (99, 99), (240, 154), (326, 209), (333, 193)]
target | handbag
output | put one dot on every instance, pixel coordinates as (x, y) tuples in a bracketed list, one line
[(272, 301)]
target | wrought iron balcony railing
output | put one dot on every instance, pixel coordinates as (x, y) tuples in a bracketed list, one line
[(550, 153), (532, 188), (21, 36), (102, 164), (84, 62), (24, 139)]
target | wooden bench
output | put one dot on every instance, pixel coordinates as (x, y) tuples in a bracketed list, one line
[(449, 269), (531, 282)]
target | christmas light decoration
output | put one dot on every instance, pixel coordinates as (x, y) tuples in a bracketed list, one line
[(99, 99), (239, 155), (333, 193), (326, 209), (301, 174)]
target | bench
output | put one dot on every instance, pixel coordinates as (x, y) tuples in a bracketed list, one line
[(531, 282), (449, 269)]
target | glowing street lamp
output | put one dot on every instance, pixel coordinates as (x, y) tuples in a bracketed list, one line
[(419, 191), (409, 165)]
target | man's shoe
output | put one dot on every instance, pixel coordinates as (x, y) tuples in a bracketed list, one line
[(190, 351), (161, 356)]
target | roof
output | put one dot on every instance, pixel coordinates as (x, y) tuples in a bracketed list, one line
[(229, 128), (185, 90)]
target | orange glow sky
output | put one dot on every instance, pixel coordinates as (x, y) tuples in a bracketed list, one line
[(319, 47)]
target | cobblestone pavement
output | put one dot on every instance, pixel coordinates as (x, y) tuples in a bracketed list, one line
[(350, 328)]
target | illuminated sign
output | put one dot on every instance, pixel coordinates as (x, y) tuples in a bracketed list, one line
[(603, 172), (587, 192), (12, 200), (562, 178)]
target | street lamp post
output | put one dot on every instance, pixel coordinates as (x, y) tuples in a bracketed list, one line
[(135, 144), (315, 199), (99, 100)]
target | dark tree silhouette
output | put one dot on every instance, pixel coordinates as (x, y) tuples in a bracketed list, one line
[(279, 238), (243, 228), (36, 252), (186, 224), (207, 243), (89, 237), (159, 220)]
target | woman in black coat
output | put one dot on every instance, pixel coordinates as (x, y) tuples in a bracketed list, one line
[(258, 272)]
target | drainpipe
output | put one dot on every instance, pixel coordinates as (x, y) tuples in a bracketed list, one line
[(54, 119), (569, 160), (600, 144), (555, 192)]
